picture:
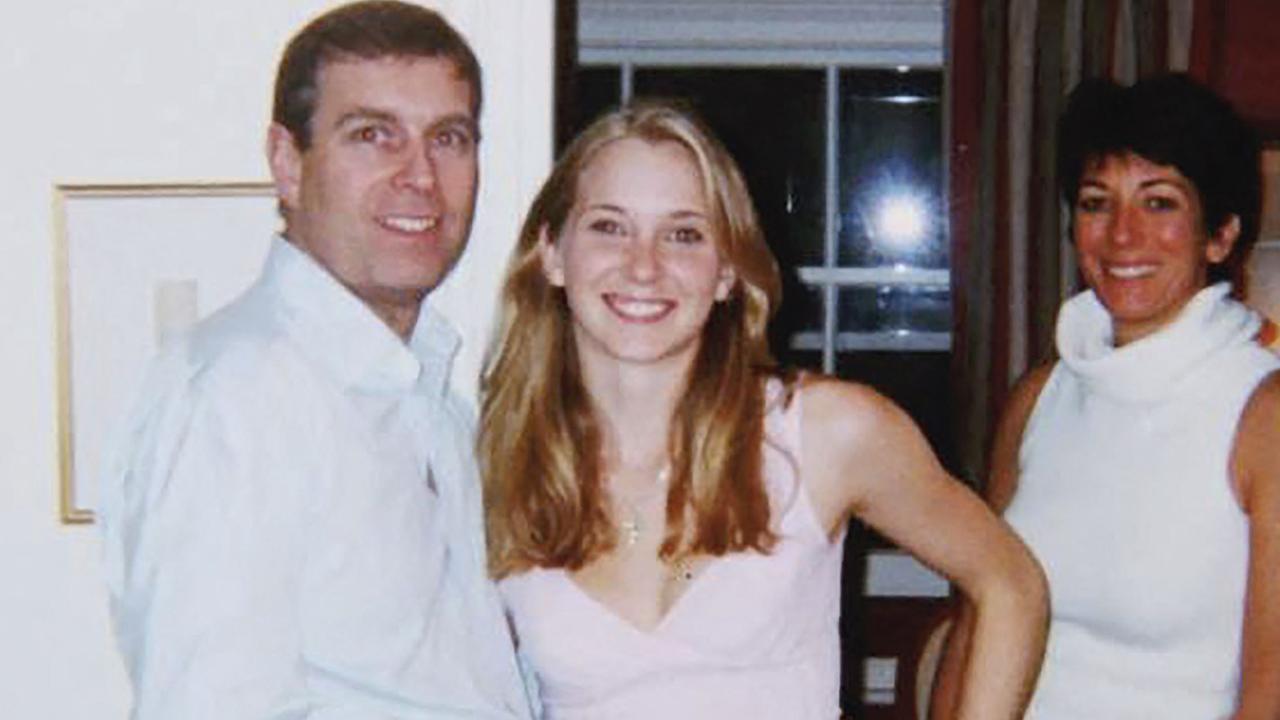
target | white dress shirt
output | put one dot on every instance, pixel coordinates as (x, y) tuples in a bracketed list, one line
[(292, 520)]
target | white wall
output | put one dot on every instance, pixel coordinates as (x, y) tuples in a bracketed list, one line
[(134, 91)]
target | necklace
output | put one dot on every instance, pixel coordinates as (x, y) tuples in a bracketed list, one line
[(632, 526), (682, 568)]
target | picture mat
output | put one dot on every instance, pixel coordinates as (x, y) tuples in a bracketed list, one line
[(120, 246)]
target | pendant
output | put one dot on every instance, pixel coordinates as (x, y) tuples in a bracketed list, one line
[(631, 529), (682, 569)]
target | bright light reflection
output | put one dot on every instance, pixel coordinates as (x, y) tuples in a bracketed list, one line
[(904, 99), (901, 221)]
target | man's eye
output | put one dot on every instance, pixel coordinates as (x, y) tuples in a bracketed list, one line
[(687, 235), (457, 139), (370, 134)]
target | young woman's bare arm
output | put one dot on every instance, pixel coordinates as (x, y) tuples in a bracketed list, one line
[(863, 456), (1002, 483)]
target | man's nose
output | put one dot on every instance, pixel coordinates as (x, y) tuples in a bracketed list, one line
[(417, 170)]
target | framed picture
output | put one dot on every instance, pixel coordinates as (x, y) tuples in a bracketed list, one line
[(136, 265)]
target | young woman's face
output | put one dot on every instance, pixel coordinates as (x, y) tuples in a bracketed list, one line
[(1141, 243), (638, 256)]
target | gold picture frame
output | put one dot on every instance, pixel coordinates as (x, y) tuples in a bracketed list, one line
[(135, 264)]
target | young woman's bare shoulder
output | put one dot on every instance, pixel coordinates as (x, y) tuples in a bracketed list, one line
[(848, 431), (839, 414)]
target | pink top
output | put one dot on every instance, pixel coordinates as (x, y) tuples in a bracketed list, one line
[(754, 636)]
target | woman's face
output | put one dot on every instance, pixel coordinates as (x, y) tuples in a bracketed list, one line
[(1141, 243), (638, 255)]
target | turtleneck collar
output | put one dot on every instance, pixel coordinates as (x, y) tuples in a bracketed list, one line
[(1148, 368)]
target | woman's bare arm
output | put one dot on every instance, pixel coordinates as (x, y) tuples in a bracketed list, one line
[(863, 456), (1256, 466), (1002, 483)]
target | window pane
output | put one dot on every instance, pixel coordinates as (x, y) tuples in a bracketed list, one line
[(894, 308), (890, 161), (771, 120), (595, 89), (796, 336), (805, 360)]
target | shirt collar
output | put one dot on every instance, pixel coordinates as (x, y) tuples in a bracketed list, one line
[(347, 339)]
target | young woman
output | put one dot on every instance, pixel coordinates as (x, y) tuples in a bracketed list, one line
[(1142, 467), (666, 507)]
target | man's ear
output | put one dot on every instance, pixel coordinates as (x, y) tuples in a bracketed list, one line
[(552, 262), (285, 160), (1222, 241)]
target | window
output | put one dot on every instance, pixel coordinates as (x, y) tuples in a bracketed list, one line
[(845, 167)]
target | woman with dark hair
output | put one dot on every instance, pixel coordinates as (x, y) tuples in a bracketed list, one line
[(665, 507), (1142, 466)]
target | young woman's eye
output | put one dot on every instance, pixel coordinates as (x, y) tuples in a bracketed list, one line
[(687, 235), (605, 226)]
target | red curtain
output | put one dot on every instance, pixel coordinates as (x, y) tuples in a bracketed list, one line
[(1236, 51)]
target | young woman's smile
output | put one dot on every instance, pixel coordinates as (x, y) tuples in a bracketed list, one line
[(638, 256)]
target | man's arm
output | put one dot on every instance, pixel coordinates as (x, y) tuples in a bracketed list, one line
[(204, 553)]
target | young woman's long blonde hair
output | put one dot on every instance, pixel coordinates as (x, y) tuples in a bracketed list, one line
[(540, 442)]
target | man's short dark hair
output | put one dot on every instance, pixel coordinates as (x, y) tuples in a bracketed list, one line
[(1170, 120), (368, 30)]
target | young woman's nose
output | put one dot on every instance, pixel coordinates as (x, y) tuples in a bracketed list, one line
[(643, 261)]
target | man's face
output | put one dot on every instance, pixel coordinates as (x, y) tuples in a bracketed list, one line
[(383, 197)]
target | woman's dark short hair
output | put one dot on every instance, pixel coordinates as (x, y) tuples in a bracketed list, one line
[(1174, 121), (363, 30)]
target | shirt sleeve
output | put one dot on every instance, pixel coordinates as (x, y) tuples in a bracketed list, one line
[(204, 558)]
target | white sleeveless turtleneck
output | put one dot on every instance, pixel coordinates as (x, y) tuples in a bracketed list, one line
[(1124, 494)]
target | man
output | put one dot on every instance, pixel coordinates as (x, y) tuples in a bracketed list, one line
[(292, 521)]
